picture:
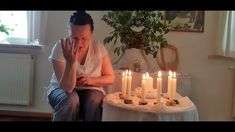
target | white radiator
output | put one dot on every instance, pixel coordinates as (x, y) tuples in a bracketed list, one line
[(16, 79)]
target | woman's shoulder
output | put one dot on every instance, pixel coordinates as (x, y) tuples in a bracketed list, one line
[(99, 48), (57, 44), (97, 44)]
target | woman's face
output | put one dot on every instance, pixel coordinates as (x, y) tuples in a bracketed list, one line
[(82, 35)]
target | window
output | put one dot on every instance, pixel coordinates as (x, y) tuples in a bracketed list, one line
[(24, 27), (233, 32), (226, 33), (16, 25)]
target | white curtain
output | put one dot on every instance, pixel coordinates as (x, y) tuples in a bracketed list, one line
[(226, 34), (37, 21)]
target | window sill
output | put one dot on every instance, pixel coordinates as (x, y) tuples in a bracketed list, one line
[(220, 57), (22, 49)]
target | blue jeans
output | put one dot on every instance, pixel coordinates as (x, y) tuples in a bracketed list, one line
[(83, 104)]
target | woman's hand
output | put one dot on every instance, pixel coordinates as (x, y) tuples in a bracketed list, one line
[(70, 50), (83, 80)]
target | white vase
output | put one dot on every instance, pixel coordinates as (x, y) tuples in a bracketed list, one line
[(131, 56)]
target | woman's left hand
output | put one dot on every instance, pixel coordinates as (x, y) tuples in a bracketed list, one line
[(83, 79)]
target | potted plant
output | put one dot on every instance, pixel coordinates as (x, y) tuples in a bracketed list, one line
[(143, 30), (136, 29)]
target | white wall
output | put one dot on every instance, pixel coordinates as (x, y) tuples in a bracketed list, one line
[(56, 29), (212, 81)]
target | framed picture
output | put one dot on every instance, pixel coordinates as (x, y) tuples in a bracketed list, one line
[(186, 21)]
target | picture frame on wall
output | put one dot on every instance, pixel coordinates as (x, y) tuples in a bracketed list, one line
[(185, 21)]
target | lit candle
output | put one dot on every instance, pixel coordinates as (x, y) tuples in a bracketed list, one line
[(174, 84), (169, 84), (124, 82), (143, 89), (159, 87), (148, 82), (129, 80)]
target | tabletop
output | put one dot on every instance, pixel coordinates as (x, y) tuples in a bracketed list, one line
[(114, 109)]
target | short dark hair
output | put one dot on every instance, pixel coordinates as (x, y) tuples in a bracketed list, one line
[(81, 18)]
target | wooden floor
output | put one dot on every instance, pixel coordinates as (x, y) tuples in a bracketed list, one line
[(24, 116)]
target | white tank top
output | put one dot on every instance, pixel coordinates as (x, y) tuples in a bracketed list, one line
[(91, 67)]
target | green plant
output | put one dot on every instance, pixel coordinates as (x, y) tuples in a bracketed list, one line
[(136, 29), (4, 29)]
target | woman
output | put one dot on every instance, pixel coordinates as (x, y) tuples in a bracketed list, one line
[(81, 68)]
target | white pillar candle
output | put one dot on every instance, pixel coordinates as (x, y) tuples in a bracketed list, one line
[(143, 97), (169, 83), (124, 83), (174, 84), (159, 87), (148, 82), (129, 81)]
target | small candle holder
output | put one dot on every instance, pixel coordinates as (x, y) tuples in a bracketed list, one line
[(121, 96), (176, 101), (128, 101), (172, 103), (143, 102)]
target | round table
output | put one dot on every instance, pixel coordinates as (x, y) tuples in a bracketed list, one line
[(114, 109)]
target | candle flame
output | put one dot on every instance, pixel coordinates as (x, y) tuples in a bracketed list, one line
[(174, 75), (129, 73), (159, 74), (170, 74), (147, 74), (126, 73), (144, 76)]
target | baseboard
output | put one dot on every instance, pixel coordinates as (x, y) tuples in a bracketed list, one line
[(24, 114)]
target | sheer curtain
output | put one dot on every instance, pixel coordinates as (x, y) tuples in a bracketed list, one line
[(226, 34), (37, 21)]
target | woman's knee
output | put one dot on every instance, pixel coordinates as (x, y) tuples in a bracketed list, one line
[(59, 97), (95, 98), (92, 105)]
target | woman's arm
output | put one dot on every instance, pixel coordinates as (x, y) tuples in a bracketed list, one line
[(66, 72), (106, 78), (58, 68)]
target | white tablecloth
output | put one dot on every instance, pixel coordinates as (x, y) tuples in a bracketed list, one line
[(114, 109)]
